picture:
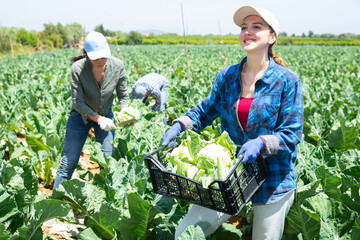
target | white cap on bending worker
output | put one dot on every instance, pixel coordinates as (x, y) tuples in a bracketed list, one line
[(139, 92), (152, 85)]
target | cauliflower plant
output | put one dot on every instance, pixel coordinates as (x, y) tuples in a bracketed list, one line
[(128, 113)]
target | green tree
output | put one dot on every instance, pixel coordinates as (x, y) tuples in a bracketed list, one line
[(73, 33), (310, 34), (61, 30), (26, 38), (51, 36), (7, 38), (100, 28), (57, 40), (118, 34), (133, 38)]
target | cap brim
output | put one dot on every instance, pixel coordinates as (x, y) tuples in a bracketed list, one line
[(105, 53), (138, 97), (242, 13)]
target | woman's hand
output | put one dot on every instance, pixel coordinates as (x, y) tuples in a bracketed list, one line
[(171, 135), (251, 150), (106, 124)]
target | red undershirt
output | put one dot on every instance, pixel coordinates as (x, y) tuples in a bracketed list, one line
[(243, 110)]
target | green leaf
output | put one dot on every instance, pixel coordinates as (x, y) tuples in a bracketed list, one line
[(88, 234), (91, 200), (192, 233), (301, 220), (307, 191), (336, 219), (45, 210), (163, 203), (142, 213), (352, 199), (29, 177), (316, 124), (11, 180), (20, 151), (330, 183), (355, 233), (106, 218), (348, 161), (36, 143), (227, 231), (4, 234), (8, 207), (344, 135), (52, 138)]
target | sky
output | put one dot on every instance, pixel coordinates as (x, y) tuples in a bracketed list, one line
[(200, 16)]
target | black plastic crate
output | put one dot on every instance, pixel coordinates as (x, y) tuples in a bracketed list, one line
[(229, 197)]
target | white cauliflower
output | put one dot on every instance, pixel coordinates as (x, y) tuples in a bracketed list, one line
[(182, 152), (214, 151), (128, 113)]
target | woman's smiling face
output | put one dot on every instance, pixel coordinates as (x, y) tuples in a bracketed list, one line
[(255, 34)]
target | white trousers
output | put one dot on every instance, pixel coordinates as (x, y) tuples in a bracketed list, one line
[(269, 219), (268, 223), (209, 220)]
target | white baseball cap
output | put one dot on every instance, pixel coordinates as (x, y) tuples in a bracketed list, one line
[(265, 14), (139, 92), (96, 46)]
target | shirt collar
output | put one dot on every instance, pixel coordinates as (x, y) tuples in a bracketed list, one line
[(266, 76)]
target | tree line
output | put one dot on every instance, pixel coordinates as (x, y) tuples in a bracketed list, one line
[(52, 37), (21, 41)]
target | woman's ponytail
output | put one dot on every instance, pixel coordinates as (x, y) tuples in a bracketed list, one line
[(272, 54), (276, 58), (77, 58)]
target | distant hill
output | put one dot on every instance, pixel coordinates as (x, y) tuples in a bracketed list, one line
[(151, 32)]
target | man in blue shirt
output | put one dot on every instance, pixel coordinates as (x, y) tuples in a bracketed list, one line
[(152, 85)]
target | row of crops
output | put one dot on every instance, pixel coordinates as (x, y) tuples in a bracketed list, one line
[(119, 203)]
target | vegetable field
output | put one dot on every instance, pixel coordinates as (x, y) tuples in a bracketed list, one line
[(118, 203)]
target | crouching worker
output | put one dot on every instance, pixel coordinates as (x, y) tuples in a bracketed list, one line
[(152, 85), (94, 77)]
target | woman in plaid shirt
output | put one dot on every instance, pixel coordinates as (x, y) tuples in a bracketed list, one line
[(260, 105)]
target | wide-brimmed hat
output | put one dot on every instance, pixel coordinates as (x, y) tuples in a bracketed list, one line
[(265, 14), (96, 46)]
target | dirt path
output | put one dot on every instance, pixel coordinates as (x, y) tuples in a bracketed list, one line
[(240, 222)]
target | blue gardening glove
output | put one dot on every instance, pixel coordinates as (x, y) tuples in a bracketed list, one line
[(171, 135), (251, 150)]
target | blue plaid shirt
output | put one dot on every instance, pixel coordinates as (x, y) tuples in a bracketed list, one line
[(276, 114)]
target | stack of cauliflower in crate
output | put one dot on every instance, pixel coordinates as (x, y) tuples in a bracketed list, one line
[(201, 160)]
